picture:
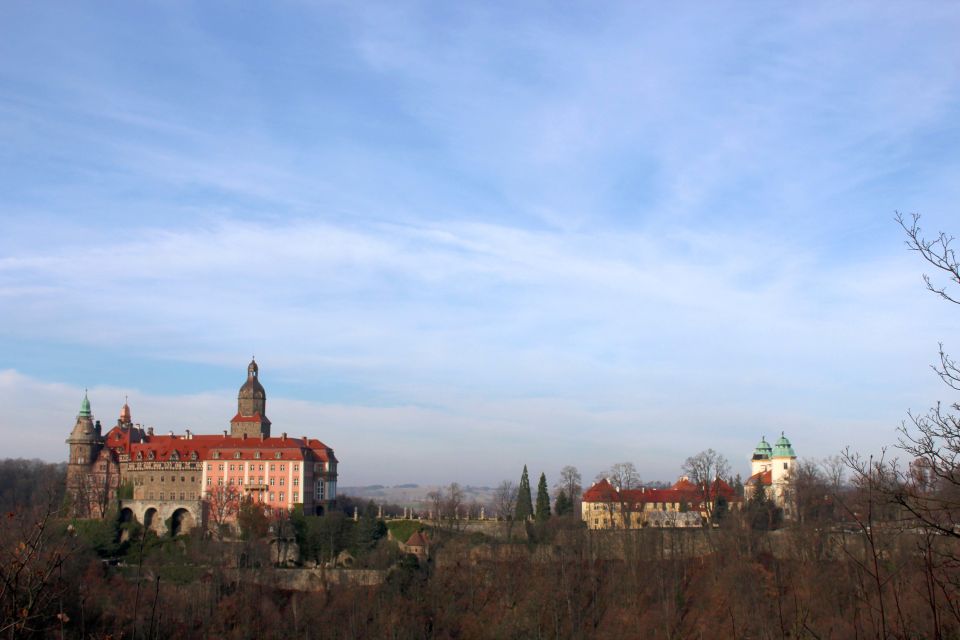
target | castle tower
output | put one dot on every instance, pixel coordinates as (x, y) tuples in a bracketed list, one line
[(782, 460), (251, 419), (85, 442), (125, 418), (761, 459)]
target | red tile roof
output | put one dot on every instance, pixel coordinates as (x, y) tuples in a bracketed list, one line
[(682, 491), (765, 478), (229, 448), (416, 540)]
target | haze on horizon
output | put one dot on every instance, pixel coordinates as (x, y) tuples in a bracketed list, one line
[(464, 238)]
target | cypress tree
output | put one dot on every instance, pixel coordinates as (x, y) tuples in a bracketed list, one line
[(543, 499), (524, 501)]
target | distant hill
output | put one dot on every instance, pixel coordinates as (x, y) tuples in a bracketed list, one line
[(412, 494)]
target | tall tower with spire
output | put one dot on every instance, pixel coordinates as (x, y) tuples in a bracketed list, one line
[(251, 419), (85, 442)]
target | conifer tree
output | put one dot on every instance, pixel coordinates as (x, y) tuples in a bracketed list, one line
[(543, 499), (563, 505), (524, 500)]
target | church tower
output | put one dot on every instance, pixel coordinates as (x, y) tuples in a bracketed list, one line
[(251, 419)]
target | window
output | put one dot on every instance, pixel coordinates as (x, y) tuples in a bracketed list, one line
[(296, 482), (281, 496), (236, 455), (181, 495), (232, 468), (219, 482), (193, 478), (273, 467), (150, 496), (296, 467), (281, 482), (161, 495), (272, 481), (161, 478), (271, 496), (295, 496), (278, 455), (209, 467), (220, 467), (257, 455), (283, 467), (182, 479), (231, 480), (208, 481), (784, 465), (151, 478), (261, 468)]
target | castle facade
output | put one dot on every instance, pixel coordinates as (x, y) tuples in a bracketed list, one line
[(189, 479)]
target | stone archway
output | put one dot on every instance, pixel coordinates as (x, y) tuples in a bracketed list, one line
[(181, 522), (127, 518), (151, 521)]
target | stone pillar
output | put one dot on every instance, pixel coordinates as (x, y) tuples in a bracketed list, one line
[(356, 514)]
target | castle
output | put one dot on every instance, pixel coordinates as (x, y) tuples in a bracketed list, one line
[(685, 504), (192, 479)]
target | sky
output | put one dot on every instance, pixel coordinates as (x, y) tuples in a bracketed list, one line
[(464, 237)]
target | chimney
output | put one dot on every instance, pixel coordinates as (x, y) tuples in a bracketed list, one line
[(224, 433), (170, 433), (283, 436), (244, 436), (305, 441), (263, 436), (149, 431), (189, 435)]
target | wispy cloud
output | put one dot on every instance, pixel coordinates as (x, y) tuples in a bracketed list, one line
[(602, 225)]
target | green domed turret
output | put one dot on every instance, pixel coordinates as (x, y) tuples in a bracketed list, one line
[(763, 450), (85, 407), (783, 448)]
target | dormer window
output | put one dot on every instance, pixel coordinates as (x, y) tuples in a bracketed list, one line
[(278, 455), (257, 455), (216, 455), (193, 455), (151, 455), (139, 455), (236, 455), (175, 455)]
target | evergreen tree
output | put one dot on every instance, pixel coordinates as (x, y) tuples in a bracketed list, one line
[(524, 500), (563, 505), (543, 499)]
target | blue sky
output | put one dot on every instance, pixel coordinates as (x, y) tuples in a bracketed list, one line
[(464, 237)]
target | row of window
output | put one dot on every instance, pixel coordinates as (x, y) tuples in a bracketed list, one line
[(139, 479), (253, 481), (252, 467), (173, 495)]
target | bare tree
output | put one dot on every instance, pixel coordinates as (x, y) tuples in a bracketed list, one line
[(624, 477), (571, 483), (704, 469), (222, 504), (930, 488), (505, 503), (435, 502), (453, 501)]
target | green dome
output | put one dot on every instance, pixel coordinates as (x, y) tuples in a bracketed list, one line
[(85, 406), (763, 450), (783, 448)]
